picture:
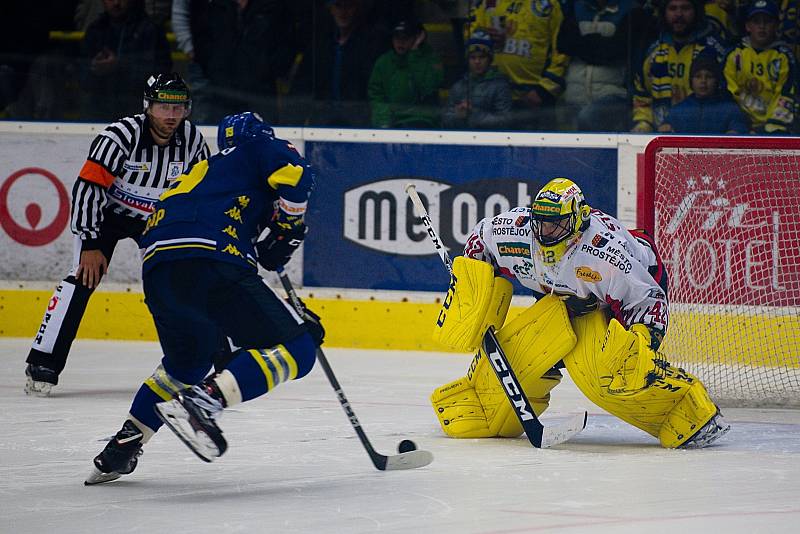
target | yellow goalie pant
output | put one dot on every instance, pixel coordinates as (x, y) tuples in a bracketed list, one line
[(612, 366)]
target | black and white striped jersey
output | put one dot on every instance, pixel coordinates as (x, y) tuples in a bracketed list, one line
[(126, 172)]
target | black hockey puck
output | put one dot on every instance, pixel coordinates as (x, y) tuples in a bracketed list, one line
[(406, 446)]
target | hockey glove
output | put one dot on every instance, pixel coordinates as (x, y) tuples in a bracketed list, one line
[(279, 245), (313, 323), (578, 307)]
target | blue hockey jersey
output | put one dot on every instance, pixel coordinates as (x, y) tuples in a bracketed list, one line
[(218, 208)]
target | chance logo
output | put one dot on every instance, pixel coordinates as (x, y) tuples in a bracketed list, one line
[(31, 235), (521, 250)]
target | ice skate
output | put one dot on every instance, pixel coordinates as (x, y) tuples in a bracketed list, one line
[(39, 380), (711, 432), (120, 456), (191, 415)]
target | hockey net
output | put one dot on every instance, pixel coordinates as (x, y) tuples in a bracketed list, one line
[(725, 213)]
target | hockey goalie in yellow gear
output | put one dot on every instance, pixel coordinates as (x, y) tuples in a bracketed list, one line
[(602, 316)]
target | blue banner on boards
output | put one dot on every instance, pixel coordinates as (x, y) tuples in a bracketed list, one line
[(363, 232)]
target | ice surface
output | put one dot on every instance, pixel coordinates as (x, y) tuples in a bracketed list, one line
[(295, 465)]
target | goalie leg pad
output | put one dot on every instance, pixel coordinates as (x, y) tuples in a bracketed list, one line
[(538, 338), (476, 405), (640, 388), (459, 410), (464, 413), (475, 300), (686, 419)]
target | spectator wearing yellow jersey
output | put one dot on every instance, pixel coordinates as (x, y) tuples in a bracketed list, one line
[(761, 71), (662, 79), (524, 35)]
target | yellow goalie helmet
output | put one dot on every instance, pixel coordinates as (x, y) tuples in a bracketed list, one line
[(559, 214)]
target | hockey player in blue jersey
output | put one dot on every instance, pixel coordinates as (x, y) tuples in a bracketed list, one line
[(201, 281)]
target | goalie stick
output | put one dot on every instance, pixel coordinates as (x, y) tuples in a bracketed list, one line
[(539, 435), (406, 459)]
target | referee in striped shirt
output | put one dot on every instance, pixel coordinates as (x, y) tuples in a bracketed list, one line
[(131, 162)]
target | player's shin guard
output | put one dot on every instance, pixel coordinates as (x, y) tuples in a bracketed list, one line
[(159, 387), (192, 414), (254, 372)]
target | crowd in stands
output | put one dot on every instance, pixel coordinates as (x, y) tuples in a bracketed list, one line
[(684, 66)]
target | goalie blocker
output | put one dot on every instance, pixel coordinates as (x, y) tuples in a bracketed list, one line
[(615, 368)]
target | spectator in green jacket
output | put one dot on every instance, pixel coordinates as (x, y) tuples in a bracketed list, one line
[(404, 86)]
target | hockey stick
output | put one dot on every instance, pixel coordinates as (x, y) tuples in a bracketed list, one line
[(409, 456), (539, 435)]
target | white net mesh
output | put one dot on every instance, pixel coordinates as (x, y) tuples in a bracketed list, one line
[(727, 222)]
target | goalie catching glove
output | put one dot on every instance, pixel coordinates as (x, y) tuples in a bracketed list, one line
[(283, 239)]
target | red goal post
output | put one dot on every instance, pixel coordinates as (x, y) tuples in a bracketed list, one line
[(725, 213)]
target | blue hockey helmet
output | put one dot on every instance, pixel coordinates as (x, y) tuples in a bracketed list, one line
[(234, 129)]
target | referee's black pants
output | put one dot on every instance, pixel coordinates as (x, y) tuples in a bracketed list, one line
[(66, 307)]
